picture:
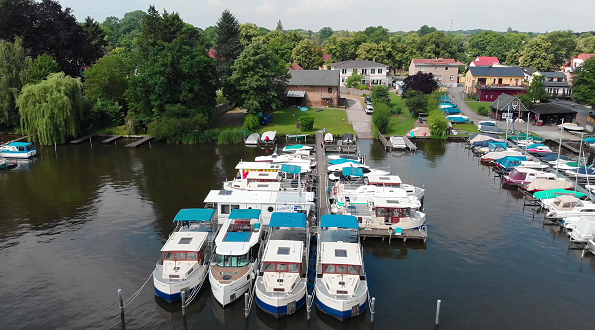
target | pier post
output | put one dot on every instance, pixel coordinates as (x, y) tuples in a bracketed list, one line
[(246, 301), (121, 301), (372, 309), (438, 311), (308, 306), (91, 142), (183, 293), (583, 254)]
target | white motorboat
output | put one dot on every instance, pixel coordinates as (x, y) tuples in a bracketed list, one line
[(329, 138), (395, 181), (525, 142), (281, 284), (568, 206), (581, 172), (348, 139), (297, 147), (571, 127), (186, 255), (272, 181), (397, 142), (268, 137), (18, 150), (341, 285), (536, 165), (301, 158), (252, 139), (541, 184), (583, 231), (570, 222), (352, 170), (491, 157), (346, 195), (523, 176), (236, 256), (390, 215)]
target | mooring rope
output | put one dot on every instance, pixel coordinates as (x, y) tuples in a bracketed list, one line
[(137, 292)]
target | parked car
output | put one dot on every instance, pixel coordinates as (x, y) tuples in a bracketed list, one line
[(368, 99), (369, 109), (368, 103)]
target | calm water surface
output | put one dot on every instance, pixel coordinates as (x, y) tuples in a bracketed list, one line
[(79, 223)]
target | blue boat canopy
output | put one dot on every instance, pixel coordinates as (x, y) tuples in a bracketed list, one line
[(343, 161), (590, 140), (293, 169), (353, 171), (285, 219), (444, 98), (195, 215), (451, 110), (553, 156), (245, 214), (237, 236), (498, 144), (339, 221), (20, 144)]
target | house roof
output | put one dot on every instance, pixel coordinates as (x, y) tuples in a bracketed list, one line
[(496, 71), (356, 64), (294, 66), (584, 56), (553, 74), (436, 61), (314, 78), (504, 102), (486, 61), (326, 57), (528, 70), (573, 106), (549, 108)]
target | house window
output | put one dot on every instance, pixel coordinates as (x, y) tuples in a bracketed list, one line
[(560, 79), (452, 77), (439, 77), (435, 68), (549, 79), (343, 79), (423, 68), (364, 71), (445, 68), (343, 71), (330, 90), (379, 71), (372, 71)]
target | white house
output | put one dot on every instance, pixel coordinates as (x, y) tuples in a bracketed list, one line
[(374, 73)]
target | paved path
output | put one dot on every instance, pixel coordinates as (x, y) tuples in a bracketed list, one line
[(358, 118)]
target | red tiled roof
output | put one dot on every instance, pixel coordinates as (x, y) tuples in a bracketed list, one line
[(212, 53), (295, 66), (434, 61), (584, 56), (486, 61)]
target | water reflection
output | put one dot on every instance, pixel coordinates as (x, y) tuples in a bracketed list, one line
[(433, 150), (173, 312), (396, 249)]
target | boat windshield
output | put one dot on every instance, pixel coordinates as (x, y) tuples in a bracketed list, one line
[(232, 261), (180, 255)]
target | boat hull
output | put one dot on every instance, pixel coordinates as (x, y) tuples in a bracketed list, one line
[(341, 309), (19, 155), (171, 291), (277, 305), (230, 291)]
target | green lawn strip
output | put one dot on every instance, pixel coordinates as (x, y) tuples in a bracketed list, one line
[(471, 128), (334, 120), (476, 104), (396, 101), (400, 125), (116, 130)]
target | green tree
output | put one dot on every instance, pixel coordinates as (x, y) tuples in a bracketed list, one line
[(424, 29), (586, 43), (261, 77), (536, 55), (248, 31), (526, 100), (354, 80), (52, 109), (14, 67), (41, 67), (282, 44), (563, 45), (380, 95), (228, 47), (279, 26), (325, 33), (381, 118), (416, 101), (108, 78), (487, 43), (307, 55), (583, 89), (96, 36), (438, 44), (537, 90), (437, 123), (376, 34), (372, 52)]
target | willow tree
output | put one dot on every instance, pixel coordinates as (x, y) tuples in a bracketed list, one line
[(52, 109), (13, 67)]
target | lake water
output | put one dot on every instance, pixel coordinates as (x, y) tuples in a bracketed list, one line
[(81, 222)]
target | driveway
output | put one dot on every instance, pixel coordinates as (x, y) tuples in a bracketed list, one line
[(358, 118)]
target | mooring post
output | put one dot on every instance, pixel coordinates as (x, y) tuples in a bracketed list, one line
[(246, 301), (583, 254), (372, 309), (149, 144), (438, 311), (121, 301), (308, 306), (91, 142), (183, 293)]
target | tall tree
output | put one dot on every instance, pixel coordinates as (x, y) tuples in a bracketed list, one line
[(261, 77), (376, 34), (248, 31), (583, 85), (48, 29), (227, 49), (421, 82), (536, 54), (108, 78), (307, 55), (372, 52), (487, 43), (325, 33), (563, 46), (437, 44), (96, 36), (537, 90), (41, 67), (13, 73), (424, 29), (52, 110), (282, 44), (279, 26)]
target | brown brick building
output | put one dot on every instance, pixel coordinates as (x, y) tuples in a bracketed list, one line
[(317, 88)]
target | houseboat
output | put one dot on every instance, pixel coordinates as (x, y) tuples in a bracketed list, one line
[(186, 254), (18, 150), (346, 196), (281, 284), (395, 181), (224, 201), (341, 285), (235, 261)]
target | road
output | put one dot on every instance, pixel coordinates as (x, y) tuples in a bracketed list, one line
[(360, 121)]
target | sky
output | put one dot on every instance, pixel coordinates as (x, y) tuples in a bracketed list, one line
[(355, 15)]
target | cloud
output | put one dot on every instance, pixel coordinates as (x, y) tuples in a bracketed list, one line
[(266, 7), (213, 3), (316, 6)]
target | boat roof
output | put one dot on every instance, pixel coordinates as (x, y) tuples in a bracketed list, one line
[(235, 242), (245, 214), (264, 186), (257, 166), (185, 241), (341, 253), (339, 221), (294, 147), (255, 175), (384, 179), (20, 144), (258, 197), (293, 169), (343, 161), (284, 251), (286, 219), (552, 193), (195, 215), (566, 198), (353, 171), (391, 202)]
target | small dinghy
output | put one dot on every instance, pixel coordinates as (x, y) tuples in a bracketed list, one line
[(268, 137), (253, 139), (328, 138), (571, 127)]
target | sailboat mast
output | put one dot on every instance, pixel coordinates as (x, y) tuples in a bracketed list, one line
[(560, 147)]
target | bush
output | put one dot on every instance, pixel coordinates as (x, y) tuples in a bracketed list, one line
[(209, 135), (416, 102), (380, 95), (381, 117), (307, 123), (437, 123), (107, 113), (231, 136), (396, 111), (354, 80), (251, 122), (363, 87), (178, 125), (483, 110)]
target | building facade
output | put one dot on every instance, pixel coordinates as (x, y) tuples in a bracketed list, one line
[(556, 84), (317, 88), (445, 70), (489, 82), (374, 73)]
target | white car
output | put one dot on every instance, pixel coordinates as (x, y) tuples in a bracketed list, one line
[(369, 109)]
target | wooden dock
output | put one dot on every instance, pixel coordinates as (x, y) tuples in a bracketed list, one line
[(112, 139), (410, 145), (407, 234), (388, 146), (15, 140), (322, 200), (139, 142), (84, 138), (567, 145)]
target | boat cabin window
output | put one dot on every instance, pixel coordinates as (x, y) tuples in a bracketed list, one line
[(232, 261), (341, 269), (21, 148), (281, 267), (182, 255), (226, 209)]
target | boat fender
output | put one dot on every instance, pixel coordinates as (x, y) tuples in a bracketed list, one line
[(391, 230)]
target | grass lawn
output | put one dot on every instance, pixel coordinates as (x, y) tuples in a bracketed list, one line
[(476, 104), (400, 125), (471, 128), (396, 101), (334, 120), (116, 130)]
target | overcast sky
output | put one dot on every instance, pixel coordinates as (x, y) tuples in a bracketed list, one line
[(354, 15)]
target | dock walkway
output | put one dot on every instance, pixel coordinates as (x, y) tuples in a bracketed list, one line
[(84, 138), (388, 145), (139, 142), (410, 145), (407, 234), (322, 201), (112, 139)]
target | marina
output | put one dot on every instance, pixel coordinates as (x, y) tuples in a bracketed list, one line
[(462, 243)]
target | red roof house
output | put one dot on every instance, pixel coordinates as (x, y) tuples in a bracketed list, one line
[(485, 61), (294, 66)]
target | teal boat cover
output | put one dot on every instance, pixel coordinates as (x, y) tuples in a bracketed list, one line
[(285, 219), (237, 236), (195, 215), (293, 169), (245, 214), (343, 161), (339, 221), (590, 140), (295, 146), (353, 171), (553, 193)]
